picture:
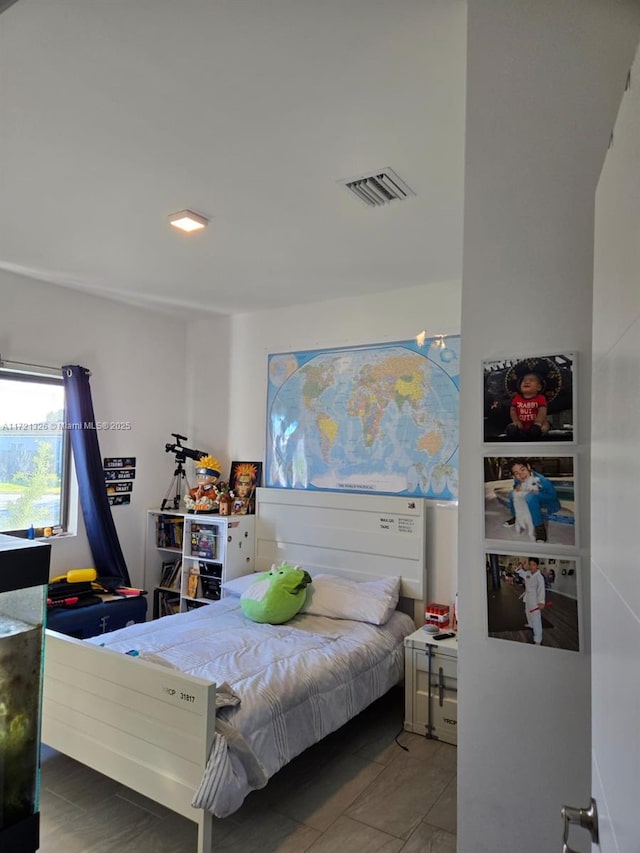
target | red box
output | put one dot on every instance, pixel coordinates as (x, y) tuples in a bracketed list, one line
[(437, 614)]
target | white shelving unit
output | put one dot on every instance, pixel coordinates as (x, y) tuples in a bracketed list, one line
[(215, 548)]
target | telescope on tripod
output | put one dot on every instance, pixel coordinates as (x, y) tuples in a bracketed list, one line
[(179, 474)]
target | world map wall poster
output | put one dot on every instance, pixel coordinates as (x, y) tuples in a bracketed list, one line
[(380, 418)]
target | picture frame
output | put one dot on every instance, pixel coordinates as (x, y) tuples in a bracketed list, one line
[(560, 624), (244, 479), (554, 386), (531, 501)]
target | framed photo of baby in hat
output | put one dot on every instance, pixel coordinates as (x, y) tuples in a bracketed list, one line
[(530, 398)]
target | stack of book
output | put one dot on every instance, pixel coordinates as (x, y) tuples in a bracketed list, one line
[(170, 575), (167, 606), (169, 532)]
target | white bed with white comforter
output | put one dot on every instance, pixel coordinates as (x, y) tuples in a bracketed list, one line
[(210, 705), (296, 682)]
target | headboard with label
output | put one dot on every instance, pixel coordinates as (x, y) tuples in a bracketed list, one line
[(359, 536)]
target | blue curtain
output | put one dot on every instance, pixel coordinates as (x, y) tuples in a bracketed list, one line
[(101, 531)]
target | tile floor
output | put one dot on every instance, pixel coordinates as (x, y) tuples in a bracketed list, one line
[(355, 791)]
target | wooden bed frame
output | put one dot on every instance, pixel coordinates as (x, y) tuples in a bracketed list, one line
[(150, 727)]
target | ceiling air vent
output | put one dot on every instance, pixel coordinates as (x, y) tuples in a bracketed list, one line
[(378, 188)]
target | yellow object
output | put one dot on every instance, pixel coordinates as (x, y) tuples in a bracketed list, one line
[(77, 576), (210, 463)]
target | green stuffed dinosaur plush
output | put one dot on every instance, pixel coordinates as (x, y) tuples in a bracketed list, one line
[(277, 595)]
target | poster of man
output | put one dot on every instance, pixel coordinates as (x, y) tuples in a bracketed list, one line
[(244, 479), (528, 399), (530, 499), (533, 600)]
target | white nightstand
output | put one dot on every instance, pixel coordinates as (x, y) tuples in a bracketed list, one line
[(431, 686)]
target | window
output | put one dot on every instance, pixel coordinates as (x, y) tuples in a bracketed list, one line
[(34, 452)]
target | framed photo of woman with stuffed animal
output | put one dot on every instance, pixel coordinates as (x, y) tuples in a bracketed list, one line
[(531, 500), (530, 398)]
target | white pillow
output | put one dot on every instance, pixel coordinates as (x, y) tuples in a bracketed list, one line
[(237, 586), (339, 598)]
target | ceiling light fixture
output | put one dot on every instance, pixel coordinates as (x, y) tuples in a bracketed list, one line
[(187, 220)]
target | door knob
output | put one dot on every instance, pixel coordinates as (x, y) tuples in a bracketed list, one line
[(586, 818)]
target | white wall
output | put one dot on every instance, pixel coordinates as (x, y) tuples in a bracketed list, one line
[(204, 377), (207, 386), (391, 316), (138, 364), (614, 485), (544, 79)]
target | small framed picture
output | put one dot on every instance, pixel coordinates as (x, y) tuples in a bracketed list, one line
[(530, 398), (530, 500), (533, 599), (244, 479)]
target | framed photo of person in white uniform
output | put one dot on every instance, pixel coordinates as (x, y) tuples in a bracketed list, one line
[(533, 599)]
